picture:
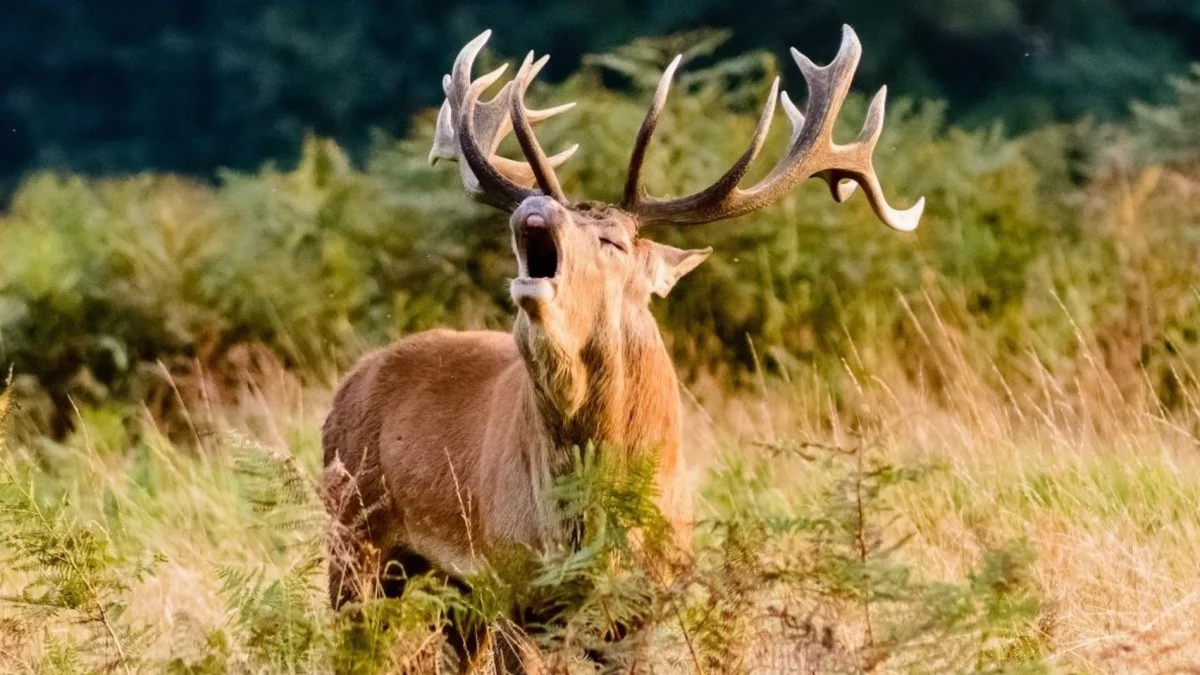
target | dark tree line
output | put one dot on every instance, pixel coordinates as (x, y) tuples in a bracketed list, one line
[(104, 86)]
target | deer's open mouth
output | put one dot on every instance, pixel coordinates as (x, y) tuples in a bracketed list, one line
[(541, 252), (539, 260)]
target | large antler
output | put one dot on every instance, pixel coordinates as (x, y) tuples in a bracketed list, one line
[(469, 131), (811, 152)]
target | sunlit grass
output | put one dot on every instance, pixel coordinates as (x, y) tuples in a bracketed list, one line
[(1113, 518)]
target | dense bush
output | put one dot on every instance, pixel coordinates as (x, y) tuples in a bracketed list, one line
[(1026, 248)]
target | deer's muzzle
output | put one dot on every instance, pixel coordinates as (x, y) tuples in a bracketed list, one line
[(537, 228)]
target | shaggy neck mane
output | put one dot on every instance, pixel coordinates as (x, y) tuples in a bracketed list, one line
[(617, 389)]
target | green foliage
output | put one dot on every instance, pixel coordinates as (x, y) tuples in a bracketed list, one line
[(593, 593), (114, 276), (109, 285), (837, 555), (74, 578)]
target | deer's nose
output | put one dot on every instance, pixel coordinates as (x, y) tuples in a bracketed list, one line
[(539, 211)]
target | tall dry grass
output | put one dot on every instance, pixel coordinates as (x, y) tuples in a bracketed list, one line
[(1099, 487)]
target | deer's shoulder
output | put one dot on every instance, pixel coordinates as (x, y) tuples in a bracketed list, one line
[(419, 368)]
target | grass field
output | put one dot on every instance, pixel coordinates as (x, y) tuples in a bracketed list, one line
[(954, 535)]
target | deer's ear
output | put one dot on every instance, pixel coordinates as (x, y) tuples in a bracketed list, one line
[(666, 265)]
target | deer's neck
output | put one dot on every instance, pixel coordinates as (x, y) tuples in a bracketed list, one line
[(616, 389)]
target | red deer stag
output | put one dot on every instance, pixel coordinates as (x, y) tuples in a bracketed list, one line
[(446, 443)]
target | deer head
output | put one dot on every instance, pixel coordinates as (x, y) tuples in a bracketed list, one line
[(585, 272)]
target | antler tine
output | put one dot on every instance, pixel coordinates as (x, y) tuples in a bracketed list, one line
[(827, 89), (522, 172), (811, 152), (633, 179), (542, 166), (536, 117), (491, 121), (795, 117), (492, 187), (839, 189), (905, 220), (455, 84)]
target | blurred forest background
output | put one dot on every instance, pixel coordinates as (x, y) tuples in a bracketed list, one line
[(117, 86)]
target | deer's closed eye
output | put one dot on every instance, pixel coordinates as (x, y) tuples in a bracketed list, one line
[(605, 241)]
